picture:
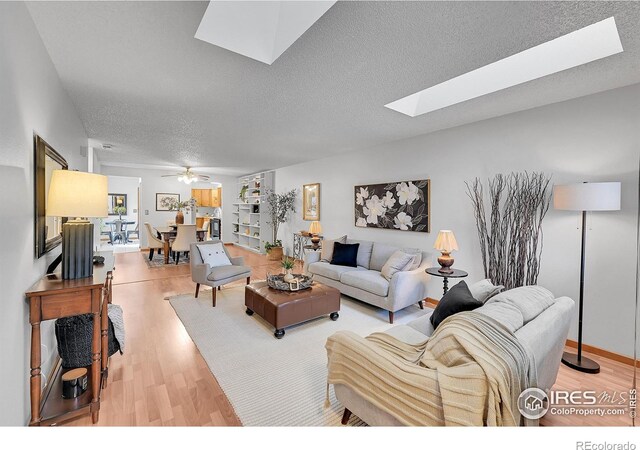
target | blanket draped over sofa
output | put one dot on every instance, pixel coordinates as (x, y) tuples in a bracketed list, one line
[(469, 372)]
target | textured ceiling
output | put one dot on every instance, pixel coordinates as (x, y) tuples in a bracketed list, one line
[(142, 82)]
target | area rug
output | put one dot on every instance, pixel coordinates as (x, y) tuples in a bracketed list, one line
[(269, 381), (158, 260)]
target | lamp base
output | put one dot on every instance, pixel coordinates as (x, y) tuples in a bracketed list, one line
[(446, 261), (77, 249), (583, 364)]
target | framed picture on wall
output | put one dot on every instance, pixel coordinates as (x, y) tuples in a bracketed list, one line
[(114, 201), (400, 205), (311, 201), (163, 200)]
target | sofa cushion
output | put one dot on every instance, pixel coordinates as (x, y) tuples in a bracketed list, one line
[(364, 251), (417, 258), (505, 313), (457, 299), (380, 254), (223, 272), (483, 290), (345, 254), (326, 253), (324, 269), (530, 300), (397, 262), (367, 280), (406, 333), (423, 323)]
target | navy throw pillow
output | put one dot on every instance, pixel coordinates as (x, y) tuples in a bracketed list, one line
[(345, 254), (457, 299)]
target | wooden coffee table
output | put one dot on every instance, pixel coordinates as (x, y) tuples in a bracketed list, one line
[(283, 308)]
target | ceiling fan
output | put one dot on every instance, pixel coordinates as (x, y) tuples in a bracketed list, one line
[(188, 176)]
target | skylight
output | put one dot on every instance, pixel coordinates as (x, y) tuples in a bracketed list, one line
[(587, 44), (261, 30)]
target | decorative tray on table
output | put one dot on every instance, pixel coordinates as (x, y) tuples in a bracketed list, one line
[(298, 283)]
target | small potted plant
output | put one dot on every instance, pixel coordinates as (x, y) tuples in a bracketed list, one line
[(287, 265)]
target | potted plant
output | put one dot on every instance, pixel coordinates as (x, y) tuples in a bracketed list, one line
[(174, 205), (120, 210), (280, 208), (287, 265), (243, 193), (274, 250)]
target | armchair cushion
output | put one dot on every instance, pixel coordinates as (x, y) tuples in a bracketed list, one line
[(214, 254), (223, 272)]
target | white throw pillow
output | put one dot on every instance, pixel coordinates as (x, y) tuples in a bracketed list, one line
[(483, 290), (397, 262), (214, 254), (326, 253)]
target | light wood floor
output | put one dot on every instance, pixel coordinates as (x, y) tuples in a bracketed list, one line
[(162, 379)]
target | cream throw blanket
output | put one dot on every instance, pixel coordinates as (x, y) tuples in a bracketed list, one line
[(469, 372)]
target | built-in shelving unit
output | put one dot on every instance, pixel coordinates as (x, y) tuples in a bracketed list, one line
[(249, 219)]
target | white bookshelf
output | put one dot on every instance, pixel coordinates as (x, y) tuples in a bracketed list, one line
[(249, 218)]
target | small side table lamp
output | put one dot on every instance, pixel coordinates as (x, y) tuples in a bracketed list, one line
[(77, 195), (315, 229), (446, 243)]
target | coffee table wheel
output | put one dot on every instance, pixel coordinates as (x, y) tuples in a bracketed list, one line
[(279, 334), (334, 316), (249, 312)]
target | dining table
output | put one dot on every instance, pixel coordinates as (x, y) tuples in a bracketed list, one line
[(122, 232), (169, 233)]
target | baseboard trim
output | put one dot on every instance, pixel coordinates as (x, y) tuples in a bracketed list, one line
[(604, 353), (573, 344)]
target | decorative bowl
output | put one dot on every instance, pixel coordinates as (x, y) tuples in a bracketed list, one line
[(299, 282)]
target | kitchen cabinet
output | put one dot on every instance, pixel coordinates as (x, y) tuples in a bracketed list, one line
[(210, 198)]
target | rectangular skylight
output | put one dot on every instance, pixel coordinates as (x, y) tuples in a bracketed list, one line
[(587, 44)]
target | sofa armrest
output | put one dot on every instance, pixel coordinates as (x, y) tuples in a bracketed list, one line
[(237, 260), (407, 288), (310, 258), (199, 273)]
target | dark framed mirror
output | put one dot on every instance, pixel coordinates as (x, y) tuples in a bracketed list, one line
[(117, 201), (48, 230)]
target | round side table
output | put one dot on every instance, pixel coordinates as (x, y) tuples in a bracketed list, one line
[(435, 271)]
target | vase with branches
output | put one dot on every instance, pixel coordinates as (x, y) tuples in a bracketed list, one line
[(174, 205), (509, 225), (280, 207)]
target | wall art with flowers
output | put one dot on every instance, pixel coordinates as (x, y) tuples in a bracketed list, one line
[(403, 205)]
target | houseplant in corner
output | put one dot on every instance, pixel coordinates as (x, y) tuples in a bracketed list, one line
[(280, 208)]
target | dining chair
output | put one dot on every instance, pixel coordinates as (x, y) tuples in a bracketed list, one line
[(105, 230), (186, 236), (135, 231), (153, 242), (116, 229)]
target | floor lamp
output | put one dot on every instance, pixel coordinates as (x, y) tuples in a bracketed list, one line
[(585, 197)]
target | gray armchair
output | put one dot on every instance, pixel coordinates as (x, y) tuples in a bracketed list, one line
[(215, 277)]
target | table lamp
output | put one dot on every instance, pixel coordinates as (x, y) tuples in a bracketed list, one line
[(315, 229), (77, 195), (585, 197), (446, 243)]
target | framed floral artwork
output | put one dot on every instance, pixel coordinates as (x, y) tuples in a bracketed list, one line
[(401, 205), (311, 201)]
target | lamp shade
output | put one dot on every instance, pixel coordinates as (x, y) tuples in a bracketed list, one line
[(315, 227), (446, 241), (77, 194), (587, 196)]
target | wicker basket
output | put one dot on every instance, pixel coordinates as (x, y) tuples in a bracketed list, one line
[(74, 335), (301, 282)]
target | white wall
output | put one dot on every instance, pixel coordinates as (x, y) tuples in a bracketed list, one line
[(153, 182), (33, 100), (594, 138), (128, 186)]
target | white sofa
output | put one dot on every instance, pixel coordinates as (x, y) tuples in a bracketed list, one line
[(366, 283), (541, 324)]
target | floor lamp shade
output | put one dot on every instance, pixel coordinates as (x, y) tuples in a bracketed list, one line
[(585, 197), (77, 195)]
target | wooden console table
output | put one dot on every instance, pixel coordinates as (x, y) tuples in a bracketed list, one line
[(54, 298)]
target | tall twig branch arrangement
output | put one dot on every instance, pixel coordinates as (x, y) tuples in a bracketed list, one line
[(280, 208), (511, 235)]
